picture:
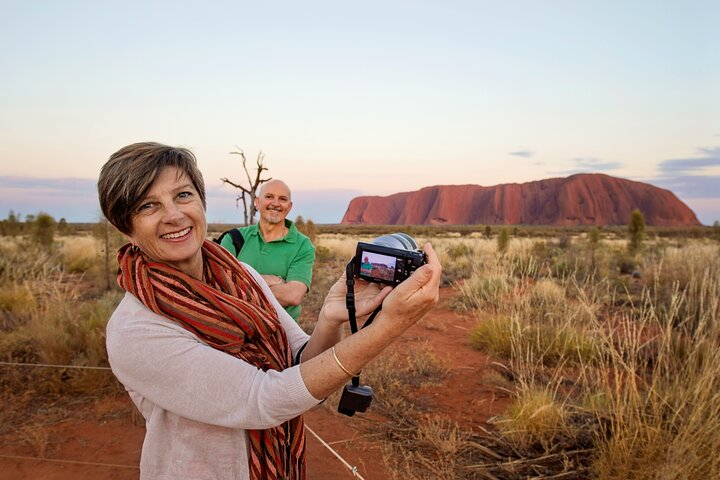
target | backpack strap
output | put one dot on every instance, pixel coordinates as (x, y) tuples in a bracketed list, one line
[(237, 240)]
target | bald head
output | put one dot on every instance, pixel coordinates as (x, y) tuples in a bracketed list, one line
[(275, 186), (273, 203)]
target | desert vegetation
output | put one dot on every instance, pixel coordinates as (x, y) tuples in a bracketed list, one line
[(608, 345), (605, 352)]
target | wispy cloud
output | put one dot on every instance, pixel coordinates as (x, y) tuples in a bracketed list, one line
[(521, 153), (75, 199), (709, 157), (50, 186), (589, 165), (685, 178)]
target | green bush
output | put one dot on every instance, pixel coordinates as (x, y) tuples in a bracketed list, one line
[(43, 232)]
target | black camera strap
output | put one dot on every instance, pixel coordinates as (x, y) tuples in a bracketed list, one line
[(350, 305)]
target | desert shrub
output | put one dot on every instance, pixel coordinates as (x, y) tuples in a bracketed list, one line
[(417, 366), (22, 262), (540, 249), (80, 254), (306, 227), (460, 250), (62, 227), (493, 335), (594, 239), (636, 231), (423, 366), (299, 223), (457, 259), (546, 292), (342, 246), (657, 387), (11, 226), (563, 242), (534, 418), (503, 240), (63, 331), (18, 346), (544, 301), (68, 331), (684, 283), (562, 344), (323, 254), (482, 290), (524, 265), (625, 264), (43, 229), (664, 427), (535, 343), (90, 327), (17, 299), (430, 447)]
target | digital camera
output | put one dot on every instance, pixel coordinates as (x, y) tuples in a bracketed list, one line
[(388, 259)]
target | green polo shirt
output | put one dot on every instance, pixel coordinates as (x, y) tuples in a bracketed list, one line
[(290, 257)]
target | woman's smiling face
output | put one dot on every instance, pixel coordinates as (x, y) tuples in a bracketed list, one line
[(169, 223)]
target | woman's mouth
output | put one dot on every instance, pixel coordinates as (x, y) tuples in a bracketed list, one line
[(181, 233)]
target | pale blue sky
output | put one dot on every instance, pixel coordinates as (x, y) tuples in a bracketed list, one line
[(368, 98)]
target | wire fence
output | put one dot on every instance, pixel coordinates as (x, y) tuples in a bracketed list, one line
[(353, 469)]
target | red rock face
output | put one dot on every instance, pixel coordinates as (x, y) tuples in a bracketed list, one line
[(584, 199)]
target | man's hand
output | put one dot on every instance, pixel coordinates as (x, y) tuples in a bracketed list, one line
[(287, 293), (272, 280)]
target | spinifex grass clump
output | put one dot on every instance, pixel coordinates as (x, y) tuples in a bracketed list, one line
[(534, 418), (665, 395), (641, 378), (48, 317), (80, 254), (549, 344)]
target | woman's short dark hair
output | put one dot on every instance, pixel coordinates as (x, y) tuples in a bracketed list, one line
[(130, 172)]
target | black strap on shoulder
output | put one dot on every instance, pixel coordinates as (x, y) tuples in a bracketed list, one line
[(237, 239)]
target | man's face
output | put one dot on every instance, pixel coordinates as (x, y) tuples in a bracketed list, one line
[(273, 204)]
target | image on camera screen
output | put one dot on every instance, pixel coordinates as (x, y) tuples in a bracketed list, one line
[(375, 265)]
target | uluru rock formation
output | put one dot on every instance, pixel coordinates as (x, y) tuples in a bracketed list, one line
[(583, 199)]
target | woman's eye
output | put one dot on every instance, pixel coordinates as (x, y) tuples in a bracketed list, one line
[(185, 194), (144, 206)]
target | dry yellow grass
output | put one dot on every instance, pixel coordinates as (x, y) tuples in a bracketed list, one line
[(80, 254), (620, 369)]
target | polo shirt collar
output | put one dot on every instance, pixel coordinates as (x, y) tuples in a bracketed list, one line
[(290, 237)]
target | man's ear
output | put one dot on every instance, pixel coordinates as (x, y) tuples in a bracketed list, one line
[(290, 207)]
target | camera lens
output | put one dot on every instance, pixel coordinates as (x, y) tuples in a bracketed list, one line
[(401, 241)]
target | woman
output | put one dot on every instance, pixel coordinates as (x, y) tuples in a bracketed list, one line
[(218, 369)]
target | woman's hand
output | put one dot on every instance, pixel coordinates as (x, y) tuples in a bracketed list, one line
[(368, 296), (415, 296)]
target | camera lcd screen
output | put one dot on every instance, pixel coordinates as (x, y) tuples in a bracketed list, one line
[(376, 265)]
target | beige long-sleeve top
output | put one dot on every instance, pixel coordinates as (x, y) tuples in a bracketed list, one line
[(197, 401)]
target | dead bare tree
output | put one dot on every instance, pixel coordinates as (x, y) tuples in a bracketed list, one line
[(249, 192)]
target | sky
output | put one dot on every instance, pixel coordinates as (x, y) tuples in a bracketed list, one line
[(359, 98)]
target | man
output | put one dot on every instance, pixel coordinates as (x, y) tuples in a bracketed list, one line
[(276, 249)]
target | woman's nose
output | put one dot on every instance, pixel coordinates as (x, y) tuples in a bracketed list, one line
[(172, 213)]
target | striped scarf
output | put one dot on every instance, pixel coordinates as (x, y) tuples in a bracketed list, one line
[(230, 312)]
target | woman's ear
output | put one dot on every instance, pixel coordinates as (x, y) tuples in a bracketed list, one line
[(129, 238)]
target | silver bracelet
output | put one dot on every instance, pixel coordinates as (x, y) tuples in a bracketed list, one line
[(340, 364)]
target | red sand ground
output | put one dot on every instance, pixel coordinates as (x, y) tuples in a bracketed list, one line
[(464, 397)]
